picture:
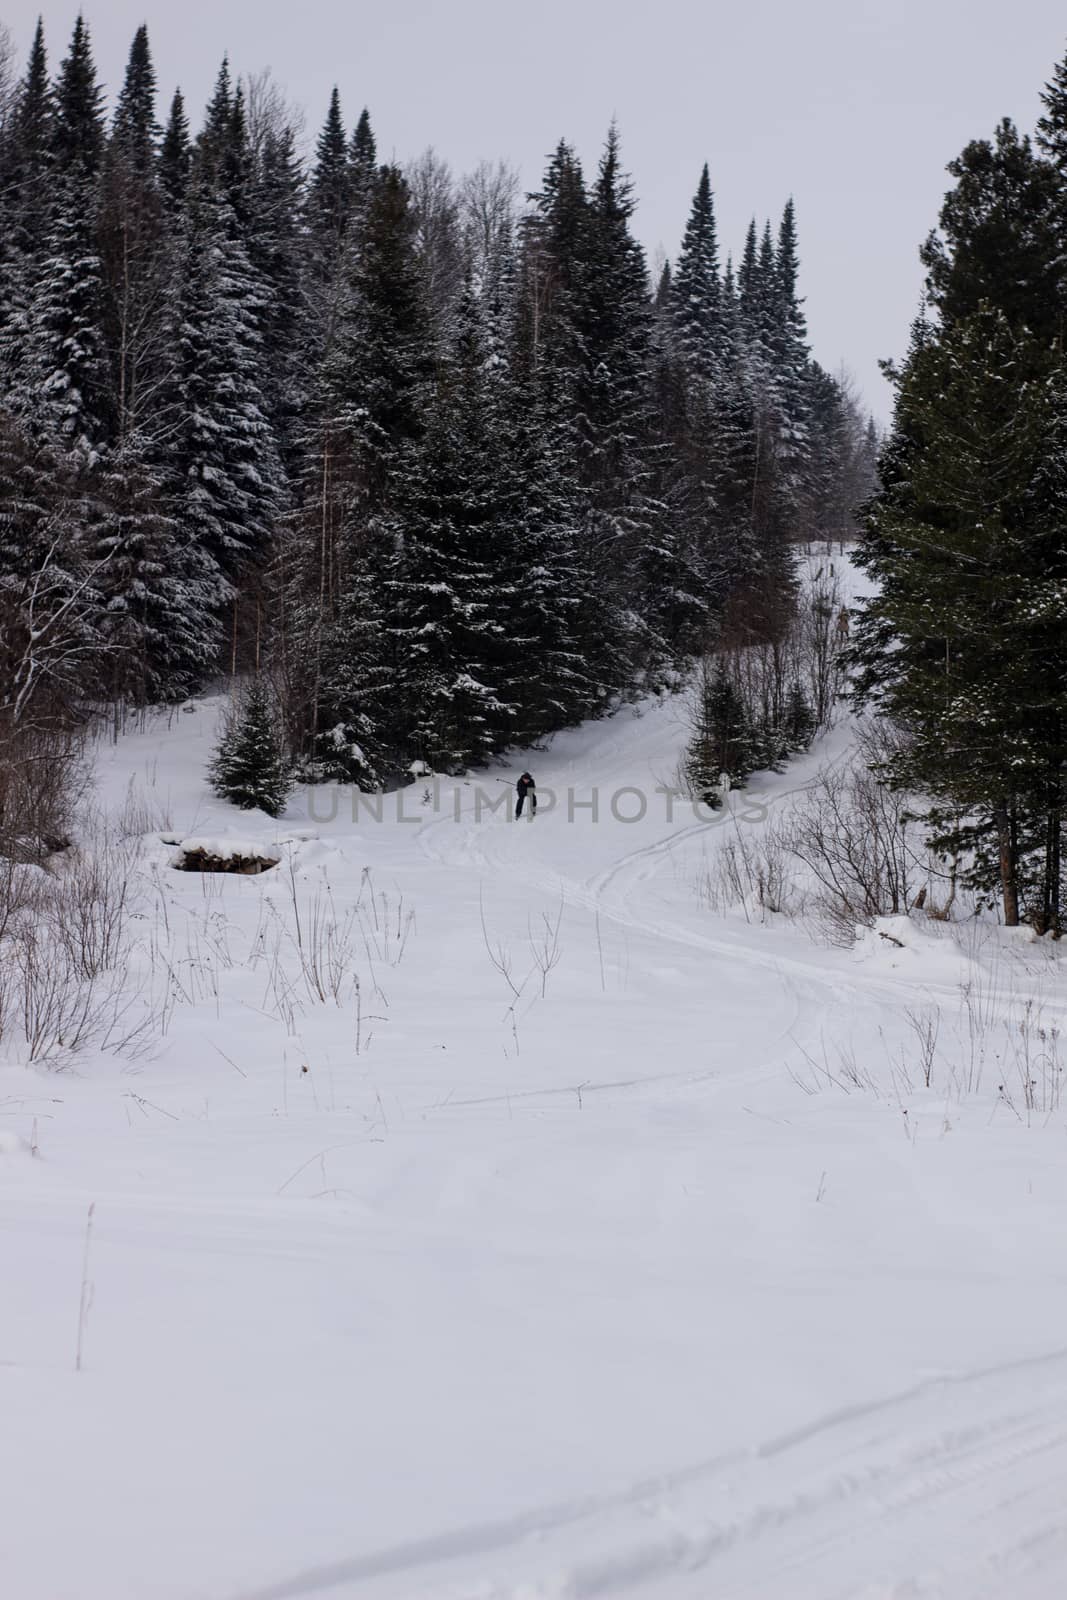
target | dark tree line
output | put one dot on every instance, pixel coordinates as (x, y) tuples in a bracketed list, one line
[(965, 644), (451, 468)]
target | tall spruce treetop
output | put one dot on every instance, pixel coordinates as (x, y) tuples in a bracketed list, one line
[(791, 323), (748, 277), (132, 246), (617, 318), (766, 286), (1052, 127), (33, 105), (78, 133), (364, 150), (328, 193), (216, 129), (235, 170), (697, 289), (394, 362), (25, 157), (362, 173), (555, 268), (31, 141), (176, 154), (65, 367), (136, 131)]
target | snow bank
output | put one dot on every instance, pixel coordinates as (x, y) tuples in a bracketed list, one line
[(900, 945)]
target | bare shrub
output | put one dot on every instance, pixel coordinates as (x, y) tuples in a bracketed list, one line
[(850, 832), (757, 872), (58, 1008), (21, 890), (85, 912), (64, 949), (43, 777)]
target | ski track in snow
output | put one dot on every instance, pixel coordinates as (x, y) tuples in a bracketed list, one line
[(861, 1485)]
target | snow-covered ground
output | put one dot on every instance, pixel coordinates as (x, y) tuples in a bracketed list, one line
[(666, 1276)]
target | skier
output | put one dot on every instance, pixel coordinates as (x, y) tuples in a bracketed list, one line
[(524, 787)]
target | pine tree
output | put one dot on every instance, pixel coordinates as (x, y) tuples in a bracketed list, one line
[(329, 192), (722, 741), (66, 371), (792, 375), (748, 281), (157, 587), (135, 257), (176, 155), (249, 767), (223, 455), (362, 178), (704, 344), (959, 644), (32, 147), (158, 590), (368, 417), (444, 612), (697, 291), (275, 252), (798, 723), (213, 142), (1004, 211), (1052, 126)]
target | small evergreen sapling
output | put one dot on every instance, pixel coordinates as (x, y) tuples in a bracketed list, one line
[(722, 741), (249, 767), (798, 724)]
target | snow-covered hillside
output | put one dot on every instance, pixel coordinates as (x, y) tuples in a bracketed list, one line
[(595, 1244)]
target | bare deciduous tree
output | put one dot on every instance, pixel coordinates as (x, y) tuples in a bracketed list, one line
[(437, 230), (487, 201), (269, 112)]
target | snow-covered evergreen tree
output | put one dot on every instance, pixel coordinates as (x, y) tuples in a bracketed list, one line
[(723, 740), (65, 369), (249, 767)]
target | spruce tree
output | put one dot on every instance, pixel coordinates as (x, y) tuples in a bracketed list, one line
[(134, 249), (722, 740), (368, 418), (275, 253), (959, 643), (223, 455), (249, 767), (176, 155), (25, 163), (329, 192), (697, 291), (798, 722), (66, 368), (445, 613)]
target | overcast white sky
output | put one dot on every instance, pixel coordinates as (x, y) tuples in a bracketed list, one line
[(853, 106)]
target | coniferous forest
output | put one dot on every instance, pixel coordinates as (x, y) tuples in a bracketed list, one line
[(962, 646), (437, 459)]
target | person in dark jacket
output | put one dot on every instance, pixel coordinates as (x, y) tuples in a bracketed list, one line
[(524, 787)]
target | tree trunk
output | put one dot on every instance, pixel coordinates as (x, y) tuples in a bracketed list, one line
[(1009, 882), (1052, 868)]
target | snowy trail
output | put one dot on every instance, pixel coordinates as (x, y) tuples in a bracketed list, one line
[(843, 1495), (573, 1295)]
